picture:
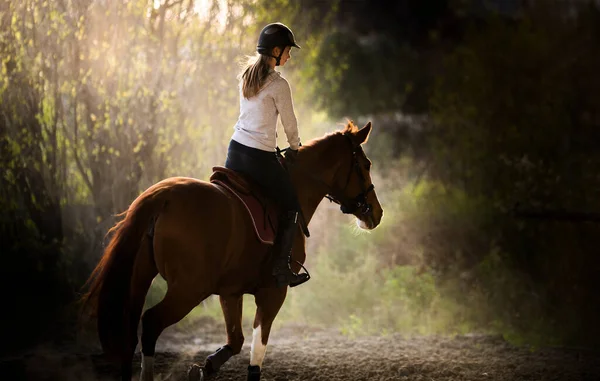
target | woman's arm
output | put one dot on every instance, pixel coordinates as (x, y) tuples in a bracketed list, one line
[(285, 106)]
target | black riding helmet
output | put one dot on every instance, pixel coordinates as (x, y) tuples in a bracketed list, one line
[(273, 35)]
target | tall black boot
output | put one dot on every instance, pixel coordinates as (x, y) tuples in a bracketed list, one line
[(282, 270)]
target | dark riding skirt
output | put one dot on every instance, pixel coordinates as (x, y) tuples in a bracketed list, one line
[(264, 168)]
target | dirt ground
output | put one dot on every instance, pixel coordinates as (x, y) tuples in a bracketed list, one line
[(302, 353)]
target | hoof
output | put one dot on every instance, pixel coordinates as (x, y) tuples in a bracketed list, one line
[(254, 373), (196, 373)]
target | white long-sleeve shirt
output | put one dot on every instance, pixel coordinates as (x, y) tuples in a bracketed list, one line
[(257, 125)]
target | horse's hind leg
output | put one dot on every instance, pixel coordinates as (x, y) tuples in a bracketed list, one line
[(268, 303), (144, 273), (178, 302), (232, 311)]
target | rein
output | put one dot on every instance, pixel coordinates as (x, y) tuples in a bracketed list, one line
[(348, 205)]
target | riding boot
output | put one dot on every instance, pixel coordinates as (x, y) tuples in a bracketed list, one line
[(282, 270)]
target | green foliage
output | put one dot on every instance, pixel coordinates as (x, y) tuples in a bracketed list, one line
[(514, 122), (99, 101), (364, 78)]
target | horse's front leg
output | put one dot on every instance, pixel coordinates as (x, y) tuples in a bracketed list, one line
[(268, 303), (232, 311)]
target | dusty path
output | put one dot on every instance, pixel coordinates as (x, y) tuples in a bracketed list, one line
[(301, 353)]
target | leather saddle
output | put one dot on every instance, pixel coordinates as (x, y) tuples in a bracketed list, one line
[(263, 212)]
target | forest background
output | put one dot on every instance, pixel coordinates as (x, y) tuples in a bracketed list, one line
[(486, 122)]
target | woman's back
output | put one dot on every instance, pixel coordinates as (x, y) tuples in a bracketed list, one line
[(256, 125)]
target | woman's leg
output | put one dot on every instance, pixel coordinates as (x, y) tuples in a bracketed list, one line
[(284, 191), (264, 168)]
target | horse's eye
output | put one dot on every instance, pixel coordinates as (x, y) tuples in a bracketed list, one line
[(368, 167)]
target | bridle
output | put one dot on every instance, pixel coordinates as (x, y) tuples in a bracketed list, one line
[(355, 205), (359, 203)]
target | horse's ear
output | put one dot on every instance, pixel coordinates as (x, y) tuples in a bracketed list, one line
[(362, 135)]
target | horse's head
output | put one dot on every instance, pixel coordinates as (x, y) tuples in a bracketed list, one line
[(346, 177), (354, 190)]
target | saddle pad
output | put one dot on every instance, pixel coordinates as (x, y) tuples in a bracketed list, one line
[(264, 223)]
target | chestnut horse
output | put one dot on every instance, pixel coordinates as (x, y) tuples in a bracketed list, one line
[(203, 243)]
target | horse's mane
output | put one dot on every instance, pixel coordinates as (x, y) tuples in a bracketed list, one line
[(350, 127)]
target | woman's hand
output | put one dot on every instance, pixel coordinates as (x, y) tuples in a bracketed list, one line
[(291, 154)]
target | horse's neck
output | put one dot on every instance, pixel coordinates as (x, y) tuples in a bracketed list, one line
[(309, 201), (310, 191)]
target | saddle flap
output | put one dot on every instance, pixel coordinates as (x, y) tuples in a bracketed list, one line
[(263, 212)]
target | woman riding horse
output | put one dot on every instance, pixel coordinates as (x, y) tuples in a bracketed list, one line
[(264, 94), (201, 240)]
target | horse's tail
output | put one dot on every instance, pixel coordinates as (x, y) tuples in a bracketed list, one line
[(109, 295)]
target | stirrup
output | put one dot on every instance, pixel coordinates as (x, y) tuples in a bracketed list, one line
[(304, 278), (288, 277), (299, 279)]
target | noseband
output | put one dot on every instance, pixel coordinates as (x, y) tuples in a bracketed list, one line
[(359, 203)]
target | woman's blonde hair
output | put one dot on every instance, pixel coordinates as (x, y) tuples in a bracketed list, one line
[(254, 74)]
